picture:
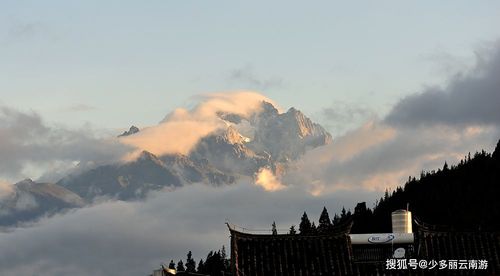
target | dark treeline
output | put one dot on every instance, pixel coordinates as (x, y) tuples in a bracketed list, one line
[(461, 197), (324, 226), (216, 263)]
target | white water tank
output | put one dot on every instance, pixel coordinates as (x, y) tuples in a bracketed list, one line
[(401, 221)]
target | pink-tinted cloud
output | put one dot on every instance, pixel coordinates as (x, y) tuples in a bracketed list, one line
[(266, 179), (182, 129)]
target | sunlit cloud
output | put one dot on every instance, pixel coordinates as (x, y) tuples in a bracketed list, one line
[(6, 189), (266, 179), (376, 156), (182, 129)]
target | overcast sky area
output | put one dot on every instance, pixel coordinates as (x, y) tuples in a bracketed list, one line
[(402, 87)]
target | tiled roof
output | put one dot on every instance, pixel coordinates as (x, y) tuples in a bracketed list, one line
[(439, 243), (291, 254), (333, 253)]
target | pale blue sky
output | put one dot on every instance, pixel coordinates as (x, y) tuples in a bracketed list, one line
[(130, 62)]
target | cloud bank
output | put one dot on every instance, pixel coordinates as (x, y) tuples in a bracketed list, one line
[(421, 132), (133, 238), (387, 157), (342, 116), (471, 98), (29, 146)]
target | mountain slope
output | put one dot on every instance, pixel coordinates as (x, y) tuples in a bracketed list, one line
[(123, 181), (30, 200), (286, 136), (194, 171), (227, 151)]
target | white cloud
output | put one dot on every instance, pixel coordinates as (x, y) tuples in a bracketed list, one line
[(183, 128), (266, 179), (28, 144), (378, 156)]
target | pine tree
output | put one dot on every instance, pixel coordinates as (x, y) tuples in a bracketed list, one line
[(314, 230), (275, 232), (324, 222), (201, 266), (386, 195), (225, 260), (305, 225), (223, 252), (343, 214), (180, 266), (214, 264), (363, 217), (292, 230), (336, 219), (496, 152), (190, 263)]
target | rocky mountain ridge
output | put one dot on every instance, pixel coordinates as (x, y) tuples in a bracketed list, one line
[(267, 139)]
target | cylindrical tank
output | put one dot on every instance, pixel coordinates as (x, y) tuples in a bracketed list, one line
[(401, 221)]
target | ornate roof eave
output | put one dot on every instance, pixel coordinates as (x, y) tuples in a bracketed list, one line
[(439, 228), (336, 231)]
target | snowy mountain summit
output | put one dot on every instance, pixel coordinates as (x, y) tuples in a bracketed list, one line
[(264, 139)]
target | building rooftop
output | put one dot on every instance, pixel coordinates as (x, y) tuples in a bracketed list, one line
[(334, 254)]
